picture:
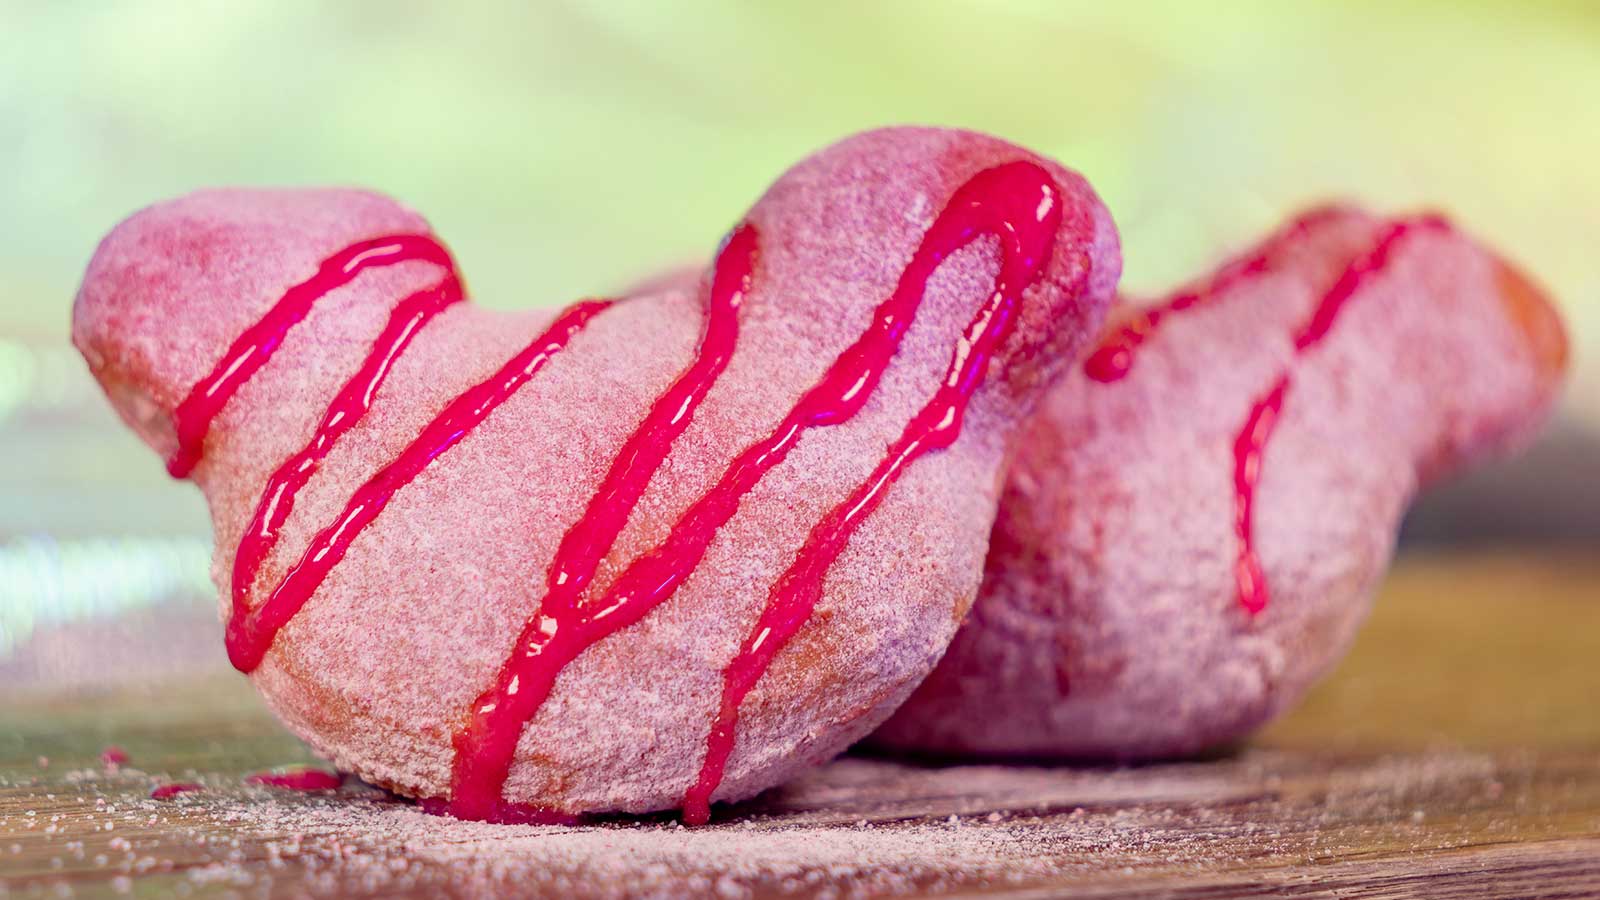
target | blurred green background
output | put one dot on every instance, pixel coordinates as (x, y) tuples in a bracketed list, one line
[(569, 148)]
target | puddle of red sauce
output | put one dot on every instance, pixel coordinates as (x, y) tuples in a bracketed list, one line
[(298, 780), (165, 791)]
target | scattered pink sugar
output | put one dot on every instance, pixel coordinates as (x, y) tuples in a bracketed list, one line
[(857, 827)]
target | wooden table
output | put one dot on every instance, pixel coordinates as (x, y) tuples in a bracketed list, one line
[(1455, 754)]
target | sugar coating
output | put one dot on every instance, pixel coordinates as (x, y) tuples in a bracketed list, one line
[(854, 828), (1109, 624), (379, 668)]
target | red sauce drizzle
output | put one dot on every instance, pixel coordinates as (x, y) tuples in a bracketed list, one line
[(166, 791), (251, 632), (1114, 359), (486, 745), (251, 350), (347, 408), (1251, 442), (298, 780), (1018, 203), (1247, 450)]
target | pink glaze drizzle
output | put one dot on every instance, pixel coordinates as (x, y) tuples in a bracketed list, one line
[(486, 745), (298, 780), (166, 791), (1247, 450), (1251, 441), (251, 350), (1018, 203), (347, 408), (1113, 359), (251, 632)]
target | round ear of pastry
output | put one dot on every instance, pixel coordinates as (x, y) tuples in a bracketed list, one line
[(1199, 515), (628, 555)]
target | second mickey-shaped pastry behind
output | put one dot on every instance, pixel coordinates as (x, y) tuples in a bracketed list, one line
[(1199, 515)]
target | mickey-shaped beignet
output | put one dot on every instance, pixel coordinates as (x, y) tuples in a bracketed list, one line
[(1198, 516), (625, 556)]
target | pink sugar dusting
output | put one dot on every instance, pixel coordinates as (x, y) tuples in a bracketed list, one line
[(857, 827), (854, 828)]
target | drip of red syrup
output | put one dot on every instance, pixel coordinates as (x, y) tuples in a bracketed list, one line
[(1248, 447), (166, 791), (347, 408), (1251, 443), (298, 780), (251, 350), (1114, 359), (251, 632), (113, 756), (562, 628), (1018, 203)]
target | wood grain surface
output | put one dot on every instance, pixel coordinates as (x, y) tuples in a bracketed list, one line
[(1455, 754)]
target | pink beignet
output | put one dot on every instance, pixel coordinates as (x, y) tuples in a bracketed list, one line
[(1199, 514), (391, 662)]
